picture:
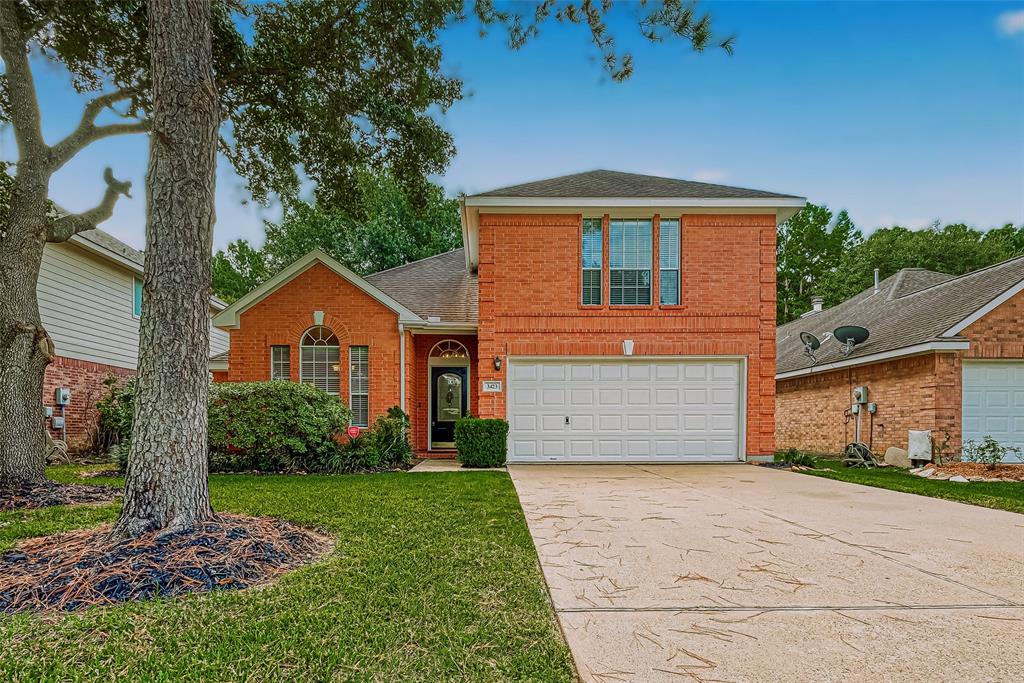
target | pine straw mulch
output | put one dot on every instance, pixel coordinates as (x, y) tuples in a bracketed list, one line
[(977, 469), (47, 493), (84, 568)]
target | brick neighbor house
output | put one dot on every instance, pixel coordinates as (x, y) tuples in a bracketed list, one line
[(945, 354), (90, 298), (610, 317)]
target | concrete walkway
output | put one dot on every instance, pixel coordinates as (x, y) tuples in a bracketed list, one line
[(742, 573)]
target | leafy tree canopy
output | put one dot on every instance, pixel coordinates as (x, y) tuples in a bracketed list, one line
[(832, 259), (382, 231)]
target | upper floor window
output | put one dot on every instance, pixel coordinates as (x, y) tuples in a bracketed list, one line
[(318, 363), (593, 258), (629, 261), (280, 363), (668, 261), (359, 385), (137, 297)]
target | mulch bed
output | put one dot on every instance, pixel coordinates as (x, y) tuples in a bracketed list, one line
[(47, 493), (84, 568), (977, 469)]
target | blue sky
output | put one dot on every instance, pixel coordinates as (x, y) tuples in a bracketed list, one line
[(899, 112)]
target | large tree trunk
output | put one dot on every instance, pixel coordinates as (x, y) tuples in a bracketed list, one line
[(25, 348), (166, 486)]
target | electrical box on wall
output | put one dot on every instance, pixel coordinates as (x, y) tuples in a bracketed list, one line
[(860, 395), (49, 411), (872, 408), (57, 422), (855, 408), (62, 396)]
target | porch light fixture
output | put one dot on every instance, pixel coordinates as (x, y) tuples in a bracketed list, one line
[(627, 347), (497, 362)]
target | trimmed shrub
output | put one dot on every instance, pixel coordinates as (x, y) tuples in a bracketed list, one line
[(481, 443), (273, 427), (115, 413)]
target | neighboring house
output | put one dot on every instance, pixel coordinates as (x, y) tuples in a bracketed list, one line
[(90, 299), (610, 317), (945, 353)]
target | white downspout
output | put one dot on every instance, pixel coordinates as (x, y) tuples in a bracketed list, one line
[(401, 365)]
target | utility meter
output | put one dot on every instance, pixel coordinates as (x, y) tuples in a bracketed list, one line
[(860, 395), (62, 396)]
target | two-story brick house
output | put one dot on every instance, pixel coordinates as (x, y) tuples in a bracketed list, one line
[(610, 317)]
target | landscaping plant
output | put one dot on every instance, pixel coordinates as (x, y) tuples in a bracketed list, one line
[(384, 446), (794, 457), (481, 442), (989, 452)]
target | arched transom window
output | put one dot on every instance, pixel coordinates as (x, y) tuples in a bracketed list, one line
[(319, 359), (449, 348)]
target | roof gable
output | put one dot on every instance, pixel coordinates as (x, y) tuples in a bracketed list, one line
[(229, 317), (912, 308)]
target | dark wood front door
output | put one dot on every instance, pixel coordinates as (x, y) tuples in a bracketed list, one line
[(449, 400)]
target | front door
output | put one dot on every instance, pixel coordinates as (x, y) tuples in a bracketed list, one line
[(449, 400)]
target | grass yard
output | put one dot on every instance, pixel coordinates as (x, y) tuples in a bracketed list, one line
[(434, 578), (998, 495)]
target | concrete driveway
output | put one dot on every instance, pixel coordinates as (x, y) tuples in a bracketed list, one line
[(741, 573)]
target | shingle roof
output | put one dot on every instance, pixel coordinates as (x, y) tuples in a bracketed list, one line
[(603, 183), (912, 307), (111, 243), (436, 286)]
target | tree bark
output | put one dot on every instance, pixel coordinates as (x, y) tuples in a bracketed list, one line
[(166, 485), (25, 348)]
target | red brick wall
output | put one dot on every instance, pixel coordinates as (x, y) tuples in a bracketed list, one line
[(1000, 334), (530, 302), (356, 318), (417, 396), (923, 392), (920, 392), (85, 379)]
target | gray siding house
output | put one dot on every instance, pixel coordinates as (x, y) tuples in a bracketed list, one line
[(90, 297)]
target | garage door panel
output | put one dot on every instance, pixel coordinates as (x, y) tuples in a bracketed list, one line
[(634, 410), (993, 402)]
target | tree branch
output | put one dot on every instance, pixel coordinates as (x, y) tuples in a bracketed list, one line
[(88, 132), (66, 226), (21, 87)]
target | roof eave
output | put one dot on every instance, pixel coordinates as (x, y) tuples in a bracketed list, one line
[(772, 203), (940, 346), (990, 306)]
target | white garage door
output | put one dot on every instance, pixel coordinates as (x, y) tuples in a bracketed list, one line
[(642, 410), (993, 395)]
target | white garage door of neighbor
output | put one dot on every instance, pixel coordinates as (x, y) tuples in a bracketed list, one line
[(993, 402), (642, 410)]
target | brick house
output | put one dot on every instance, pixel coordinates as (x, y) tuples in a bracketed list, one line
[(608, 316), (89, 292), (944, 354)]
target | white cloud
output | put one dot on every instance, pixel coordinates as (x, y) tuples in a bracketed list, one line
[(710, 175), (1011, 23)]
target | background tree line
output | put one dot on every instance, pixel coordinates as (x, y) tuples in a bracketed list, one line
[(825, 254)]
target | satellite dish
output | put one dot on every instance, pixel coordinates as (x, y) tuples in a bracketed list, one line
[(851, 336), (811, 342)]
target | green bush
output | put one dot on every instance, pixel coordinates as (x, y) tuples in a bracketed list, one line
[(794, 457), (384, 446), (273, 427), (989, 452), (481, 443), (115, 413)]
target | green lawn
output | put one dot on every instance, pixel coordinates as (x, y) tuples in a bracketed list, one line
[(999, 495), (434, 578)]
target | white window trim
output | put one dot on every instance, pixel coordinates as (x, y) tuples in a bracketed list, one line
[(282, 346), (679, 260), (600, 267), (650, 267), (351, 393)]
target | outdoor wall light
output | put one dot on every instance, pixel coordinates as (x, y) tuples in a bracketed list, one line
[(497, 362)]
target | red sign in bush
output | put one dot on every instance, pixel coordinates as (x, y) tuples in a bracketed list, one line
[(353, 431)]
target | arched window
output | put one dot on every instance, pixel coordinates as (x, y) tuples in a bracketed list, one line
[(449, 348), (319, 359)]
